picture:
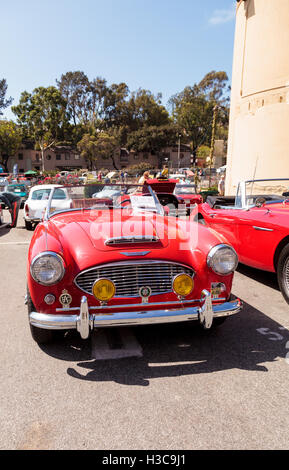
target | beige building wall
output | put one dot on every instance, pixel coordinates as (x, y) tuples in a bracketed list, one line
[(258, 142)]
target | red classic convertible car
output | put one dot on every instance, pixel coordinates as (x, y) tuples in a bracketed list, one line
[(186, 194), (256, 224), (93, 265)]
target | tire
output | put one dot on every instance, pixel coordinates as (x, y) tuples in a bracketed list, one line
[(39, 335), (283, 272), (28, 225)]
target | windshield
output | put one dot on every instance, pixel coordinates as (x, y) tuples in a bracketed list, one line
[(272, 190), (92, 197), (185, 189), (16, 189)]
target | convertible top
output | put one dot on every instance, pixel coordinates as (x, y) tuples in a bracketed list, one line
[(160, 186), (215, 202)]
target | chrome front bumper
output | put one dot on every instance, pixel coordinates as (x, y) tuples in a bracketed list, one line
[(84, 321)]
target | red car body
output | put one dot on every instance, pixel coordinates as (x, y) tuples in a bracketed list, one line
[(258, 232), (72, 236), (186, 194)]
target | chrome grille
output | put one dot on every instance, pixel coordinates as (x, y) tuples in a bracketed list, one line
[(130, 277)]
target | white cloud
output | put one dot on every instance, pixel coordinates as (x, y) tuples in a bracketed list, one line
[(223, 16)]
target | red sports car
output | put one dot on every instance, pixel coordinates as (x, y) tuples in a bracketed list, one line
[(186, 194), (93, 265), (256, 224)]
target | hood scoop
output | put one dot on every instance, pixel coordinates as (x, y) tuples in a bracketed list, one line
[(133, 240)]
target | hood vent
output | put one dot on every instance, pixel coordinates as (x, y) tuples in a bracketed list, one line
[(132, 240)]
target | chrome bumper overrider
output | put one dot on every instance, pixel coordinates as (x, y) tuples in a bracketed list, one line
[(85, 321)]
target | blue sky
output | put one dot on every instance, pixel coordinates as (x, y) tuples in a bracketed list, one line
[(159, 45)]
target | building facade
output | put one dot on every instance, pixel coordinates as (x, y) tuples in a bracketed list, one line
[(66, 158), (259, 117), (62, 158)]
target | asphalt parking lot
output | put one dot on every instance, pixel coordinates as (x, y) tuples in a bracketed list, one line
[(159, 387)]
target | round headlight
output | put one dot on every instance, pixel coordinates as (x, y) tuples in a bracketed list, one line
[(183, 285), (47, 268), (222, 259), (103, 290)]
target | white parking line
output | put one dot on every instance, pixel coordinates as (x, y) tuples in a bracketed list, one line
[(114, 343), (15, 243)]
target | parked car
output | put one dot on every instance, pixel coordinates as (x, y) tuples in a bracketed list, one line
[(256, 223), (186, 194), (109, 191), (93, 266), (1, 215), (19, 189), (37, 201)]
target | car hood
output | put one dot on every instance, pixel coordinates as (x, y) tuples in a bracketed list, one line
[(84, 238)]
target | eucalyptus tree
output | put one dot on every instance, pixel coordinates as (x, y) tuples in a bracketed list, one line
[(193, 109), (42, 117), (75, 89), (4, 102)]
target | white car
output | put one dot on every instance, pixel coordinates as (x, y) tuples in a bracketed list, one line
[(108, 192), (36, 203)]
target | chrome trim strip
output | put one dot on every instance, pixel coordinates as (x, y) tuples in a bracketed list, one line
[(263, 229), (86, 322), (114, 241), (137, 253), (177, 303)]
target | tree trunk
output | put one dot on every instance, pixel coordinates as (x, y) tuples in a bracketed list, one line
[(113, 162)]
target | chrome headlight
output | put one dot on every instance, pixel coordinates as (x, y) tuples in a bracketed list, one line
[(222, 259), (47, 268)]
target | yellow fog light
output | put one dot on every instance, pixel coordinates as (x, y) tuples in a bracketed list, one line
[(183, 285), (103, 290)]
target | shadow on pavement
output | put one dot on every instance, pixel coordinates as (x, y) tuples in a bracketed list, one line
[(265, 277), (4, 230), (182, 349)]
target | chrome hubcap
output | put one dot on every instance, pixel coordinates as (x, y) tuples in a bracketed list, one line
[(286, 274)]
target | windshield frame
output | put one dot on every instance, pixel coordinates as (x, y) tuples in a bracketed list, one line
[(159, 208), (185, 185), (242, 196)]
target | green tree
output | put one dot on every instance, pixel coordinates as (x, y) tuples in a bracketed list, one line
[(145, 109), (74, 88), (192, 109), (153, 139), (4, 102), (42, 117), (102, 146), (10, 141)]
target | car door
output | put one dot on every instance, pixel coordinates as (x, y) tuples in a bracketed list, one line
[(258, 234)]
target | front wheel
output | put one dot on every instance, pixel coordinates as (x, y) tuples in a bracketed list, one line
[(283, 272), (39, 335)]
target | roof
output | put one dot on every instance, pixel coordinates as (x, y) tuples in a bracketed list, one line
[(45, 186)]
